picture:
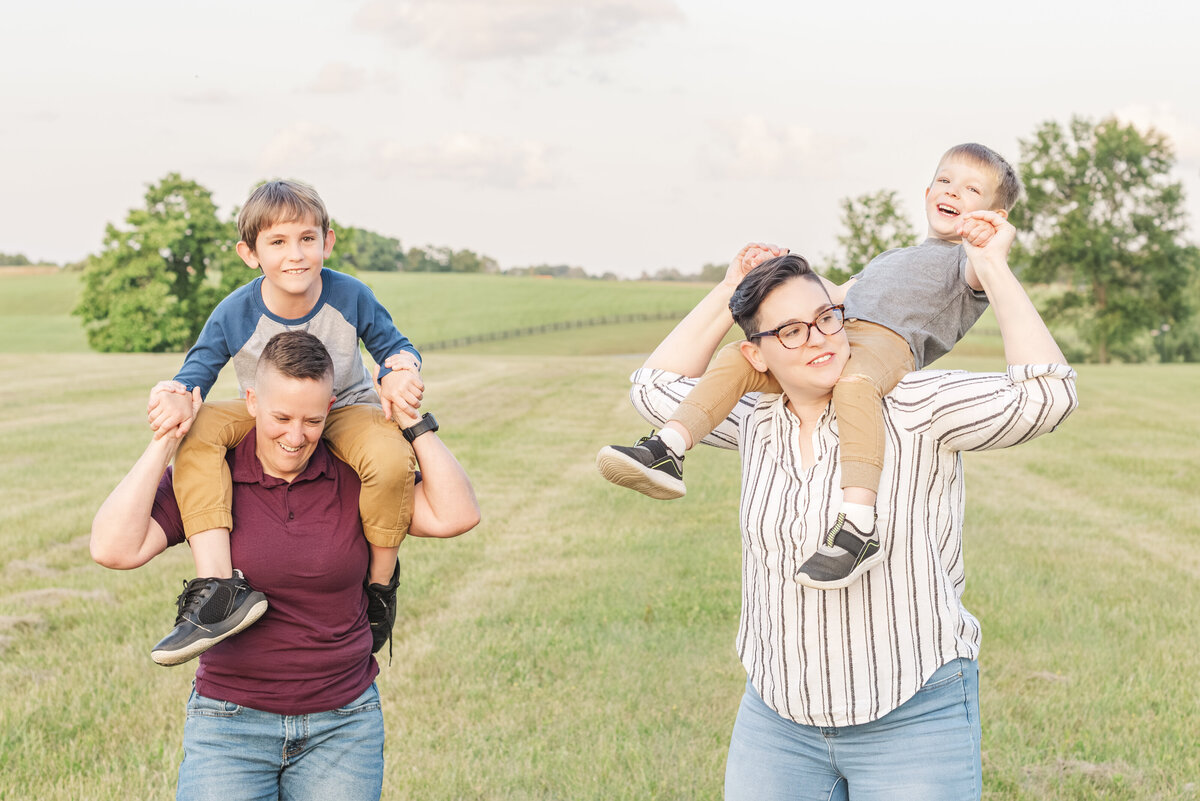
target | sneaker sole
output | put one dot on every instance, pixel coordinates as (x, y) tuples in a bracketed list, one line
[(632, 474), (853, 576), (194, 649)]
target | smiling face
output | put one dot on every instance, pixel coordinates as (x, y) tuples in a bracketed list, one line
[(289, 415), (807, 373), (959, 186), (291, 255)]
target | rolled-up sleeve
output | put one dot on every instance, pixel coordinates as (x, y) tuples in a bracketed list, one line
[(657, 393), (986, 411)]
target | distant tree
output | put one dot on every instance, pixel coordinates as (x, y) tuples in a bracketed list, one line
[(14, 260), (360, 249), (465, 261), (428, 259), (712, 272), (873, 223), (1105, 218), (155, 282), (431, 259)]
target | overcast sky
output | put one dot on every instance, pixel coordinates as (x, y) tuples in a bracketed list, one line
[(616, 135)]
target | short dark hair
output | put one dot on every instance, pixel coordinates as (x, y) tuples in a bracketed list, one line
[(762, 281), (297, 354), (1008, 184)]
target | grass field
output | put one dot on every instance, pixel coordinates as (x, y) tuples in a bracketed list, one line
[(579, 643)]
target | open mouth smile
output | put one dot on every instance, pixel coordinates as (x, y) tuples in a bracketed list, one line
[(949, 211)]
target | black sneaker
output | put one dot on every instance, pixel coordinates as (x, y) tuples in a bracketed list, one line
[(648, 467), (844, 555), (381, 611), (210, 610)]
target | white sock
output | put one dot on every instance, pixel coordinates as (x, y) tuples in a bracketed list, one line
[(673, 440), (861, 515)]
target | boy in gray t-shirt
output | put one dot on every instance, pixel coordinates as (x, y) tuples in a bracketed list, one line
[(908, 307)]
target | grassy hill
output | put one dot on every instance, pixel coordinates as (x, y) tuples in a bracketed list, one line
[(579, 643)]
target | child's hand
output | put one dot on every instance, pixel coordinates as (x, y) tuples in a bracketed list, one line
[(748, 258), (975, 230), (993, 255), (172, 409), (401, 390)]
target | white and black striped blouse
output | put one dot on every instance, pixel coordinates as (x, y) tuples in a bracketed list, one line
[(845, 657)]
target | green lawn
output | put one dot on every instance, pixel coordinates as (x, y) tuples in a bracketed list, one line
[(35, 310), (579, 643)]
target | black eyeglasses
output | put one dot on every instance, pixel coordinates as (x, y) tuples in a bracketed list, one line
[(794, 335)]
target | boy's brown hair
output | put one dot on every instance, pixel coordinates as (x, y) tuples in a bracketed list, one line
[(1008, 184), (276, 202)]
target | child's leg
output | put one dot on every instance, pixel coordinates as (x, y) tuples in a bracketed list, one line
[(654, 466), (726, 380), (363, 438), (203, 486), (879, 359), (220, 603)]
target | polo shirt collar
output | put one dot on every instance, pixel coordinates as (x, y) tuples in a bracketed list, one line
[(247, 469)]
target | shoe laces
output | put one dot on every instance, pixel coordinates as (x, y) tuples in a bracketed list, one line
[(191, 599)]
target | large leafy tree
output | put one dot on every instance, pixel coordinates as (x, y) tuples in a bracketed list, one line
[(155, 281), (1107, 221), (873, 223)]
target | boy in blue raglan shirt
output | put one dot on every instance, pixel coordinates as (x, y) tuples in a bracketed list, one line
[(284, 231)]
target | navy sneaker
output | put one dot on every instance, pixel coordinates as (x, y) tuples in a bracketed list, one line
[(209, 610), (648, 467), (842, 557)]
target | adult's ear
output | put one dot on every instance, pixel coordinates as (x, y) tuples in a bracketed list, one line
[(251, 402), (753, 355)]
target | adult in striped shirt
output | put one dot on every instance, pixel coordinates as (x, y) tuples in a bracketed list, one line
[(871, 691)]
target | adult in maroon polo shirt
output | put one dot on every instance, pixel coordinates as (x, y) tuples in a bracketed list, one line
[(287, 708), (311, 651)]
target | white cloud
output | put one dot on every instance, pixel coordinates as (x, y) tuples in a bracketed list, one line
[(338, 78), (297, 146), (207, 97), (758, 148), (480, 30), (468, 158)]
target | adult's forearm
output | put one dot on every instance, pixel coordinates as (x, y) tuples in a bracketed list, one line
[(690, 346), (445, 504), (1027, 340), (121, 528)]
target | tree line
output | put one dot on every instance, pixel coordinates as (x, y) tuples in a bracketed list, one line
[(1103, 227)]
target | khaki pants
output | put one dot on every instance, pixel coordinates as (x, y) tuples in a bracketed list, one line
[(879, 358), (359, 435)]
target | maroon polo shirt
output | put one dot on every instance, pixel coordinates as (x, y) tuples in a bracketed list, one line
[(302, 544)]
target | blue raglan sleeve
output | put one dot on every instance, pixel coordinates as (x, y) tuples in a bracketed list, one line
[(211, 352), (377, 331)]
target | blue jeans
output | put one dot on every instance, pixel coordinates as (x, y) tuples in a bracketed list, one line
[(233, 752), (927, 749)]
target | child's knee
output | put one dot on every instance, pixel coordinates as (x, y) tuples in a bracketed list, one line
[(219, 424), (388, 462)]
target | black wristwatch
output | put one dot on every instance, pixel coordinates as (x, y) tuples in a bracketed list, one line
[(428, 423)]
